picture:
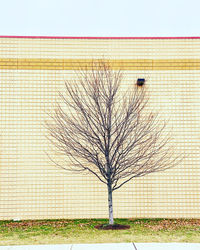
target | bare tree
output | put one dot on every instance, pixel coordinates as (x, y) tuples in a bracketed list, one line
[(108, 132)]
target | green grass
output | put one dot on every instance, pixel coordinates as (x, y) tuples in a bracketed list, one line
[(83, 231)]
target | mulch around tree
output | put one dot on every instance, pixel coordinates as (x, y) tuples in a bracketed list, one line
[(112, 227)]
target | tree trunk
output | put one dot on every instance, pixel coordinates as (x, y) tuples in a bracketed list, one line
[(110, 205)]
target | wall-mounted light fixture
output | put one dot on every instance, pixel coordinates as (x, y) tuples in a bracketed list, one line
[(140, 81)]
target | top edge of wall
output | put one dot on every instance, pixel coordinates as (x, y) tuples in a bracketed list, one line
[(91, 37)]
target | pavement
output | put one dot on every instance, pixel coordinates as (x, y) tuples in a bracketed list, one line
[(109, 246)]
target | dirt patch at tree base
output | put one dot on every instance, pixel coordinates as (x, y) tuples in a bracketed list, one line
[(112, 227)]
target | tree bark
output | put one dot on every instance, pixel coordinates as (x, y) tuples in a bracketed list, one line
[(110, 205)]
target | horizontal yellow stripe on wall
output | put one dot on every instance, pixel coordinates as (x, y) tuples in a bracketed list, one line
[(75, 64)]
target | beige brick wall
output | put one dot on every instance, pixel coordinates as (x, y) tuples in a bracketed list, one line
[(31, 187)]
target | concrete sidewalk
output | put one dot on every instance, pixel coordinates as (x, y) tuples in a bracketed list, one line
[(109, 246)]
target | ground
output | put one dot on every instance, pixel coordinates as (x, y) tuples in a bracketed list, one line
[(84, 231)]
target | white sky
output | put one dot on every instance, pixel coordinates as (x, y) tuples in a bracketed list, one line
[(100, 17)]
